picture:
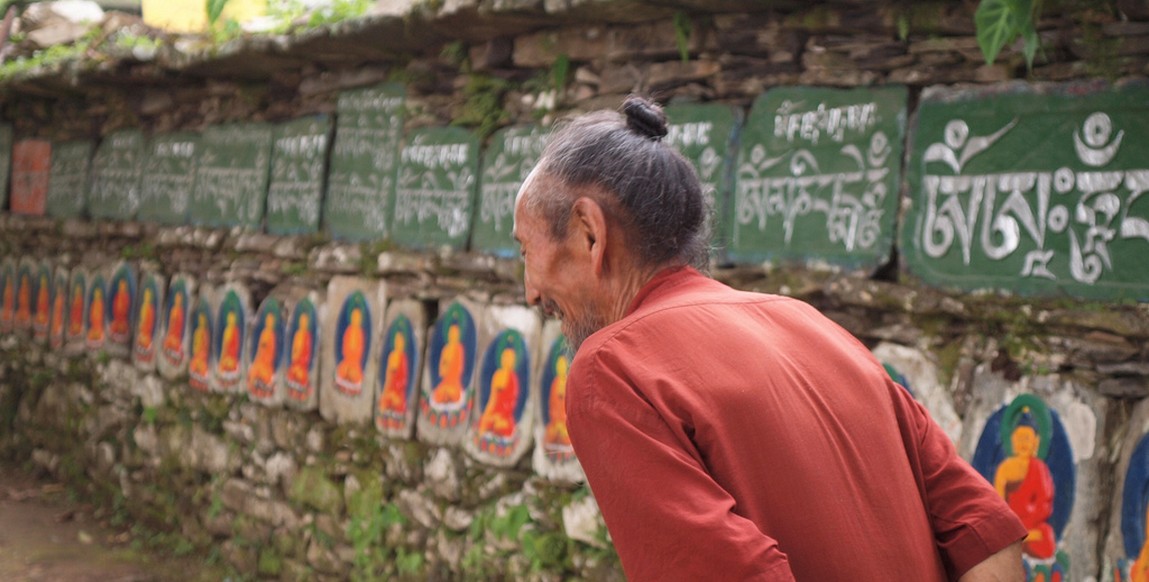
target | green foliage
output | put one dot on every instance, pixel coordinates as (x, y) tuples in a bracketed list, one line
[(483, 105), (149, 415), (366, 534), (1000, 22), (560, 71), (682, 31), (214, 10)]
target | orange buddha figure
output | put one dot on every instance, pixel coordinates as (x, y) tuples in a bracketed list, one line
[(147, 327), (96, 316), (200, 348), (397, 376), (229, 346), (43, 303), (121, 310), (499, 415), (76, 313), (556, 432), (299, 370), (8, 309), (1024, 481), (1139, 571), (451, 361), (262, 372), (349, 372), (174, 339), (24, 302), (57, 326)]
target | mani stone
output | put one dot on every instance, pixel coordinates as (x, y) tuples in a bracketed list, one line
[(349, 361), (554, 457), (446, 399), (232, 325), (174, 326), (401, 361), (303, 358)]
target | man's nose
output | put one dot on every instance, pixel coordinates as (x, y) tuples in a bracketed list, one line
[(532, 295)]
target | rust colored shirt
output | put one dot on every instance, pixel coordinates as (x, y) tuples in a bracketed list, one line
[(740, 436)]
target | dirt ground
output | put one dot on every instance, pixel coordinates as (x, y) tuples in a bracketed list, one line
[(45, 537)]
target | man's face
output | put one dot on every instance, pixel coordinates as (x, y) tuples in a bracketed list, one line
[(557, 277)]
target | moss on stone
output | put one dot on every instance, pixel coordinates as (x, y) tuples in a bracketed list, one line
[(312, 488)]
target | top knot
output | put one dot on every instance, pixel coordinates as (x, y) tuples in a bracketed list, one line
[(645, 117)]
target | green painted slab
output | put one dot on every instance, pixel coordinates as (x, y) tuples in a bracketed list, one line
[(705, 134), (169, 177), (512, 155), (116, 171), (817, 177), (298, 171), (6, 139), (436, 189), (1038, 190), (231, 175), (69, 178), (364, 161)]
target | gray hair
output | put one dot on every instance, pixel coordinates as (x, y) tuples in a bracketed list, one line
[(650, 188)]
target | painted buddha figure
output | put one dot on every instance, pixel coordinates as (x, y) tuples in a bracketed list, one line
[(556, 431), (397, 376), (121, 311), (43, 304), (262, 372), (96, 316), (200, 348), (349, 372), (230, 345), (174, 339), (76, 313), (1139, 571), (24, 302), (499, 415), (147, 327), (1024, 481), (57, 325), (299, 370), (451, 361), (8, 308)]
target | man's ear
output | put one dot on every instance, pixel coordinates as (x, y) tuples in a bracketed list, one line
[(589, 225)]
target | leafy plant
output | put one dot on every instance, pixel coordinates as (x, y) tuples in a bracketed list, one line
[(214, 10), (682, 30), (1000, 22)]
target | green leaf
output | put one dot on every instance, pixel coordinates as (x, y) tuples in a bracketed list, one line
[(214, 10), (997, 24), (682, 29), (1029, 49)]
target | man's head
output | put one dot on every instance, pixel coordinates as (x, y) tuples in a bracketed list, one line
[(608, 205)]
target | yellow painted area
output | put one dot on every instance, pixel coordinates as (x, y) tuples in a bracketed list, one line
[(191, 15)]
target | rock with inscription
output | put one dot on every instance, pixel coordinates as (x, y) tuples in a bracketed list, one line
[(168, 179), (116, 171), (201, 331), (989, 210), (512, 155), (68, 181), (1054, 428), (705, 134), (1128, 535), (96, 314), (554, 457), (502, 427), (917, 372), (174, 326), (446, 399), (42, 301), (232, 326), (58, 321), (350, 360), (302, 359), (400, 364), (364, 162), (265, 351), (31, 164), (148, 329), (298, 170), (76, 326), (817, 177), (435, 192), (231, 175)]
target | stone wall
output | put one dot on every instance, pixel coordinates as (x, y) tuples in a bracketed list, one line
[(296, 494)]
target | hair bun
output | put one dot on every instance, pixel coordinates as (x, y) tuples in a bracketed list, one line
[(645, 117)]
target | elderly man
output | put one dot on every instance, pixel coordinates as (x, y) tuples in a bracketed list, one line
[(725, 434)]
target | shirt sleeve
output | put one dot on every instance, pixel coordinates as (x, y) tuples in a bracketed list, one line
[(669, 520), (970, 521)]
